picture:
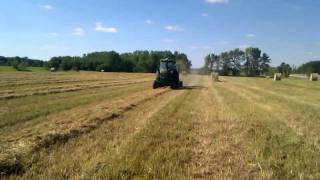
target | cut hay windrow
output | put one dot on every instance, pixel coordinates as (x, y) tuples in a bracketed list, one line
[(45, 82), (71, 89), (280, 95), (314, 77), (57, 81), (55, 86), (10, 164), (277, 77), (17, 79)]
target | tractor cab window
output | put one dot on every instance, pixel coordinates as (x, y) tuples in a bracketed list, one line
[(171, 65), (163, 67)]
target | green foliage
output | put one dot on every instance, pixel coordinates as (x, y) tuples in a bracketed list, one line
[(138, 61), (233, 62), (285, 69), (20, 66), (271, 71), (251, 66), (15, 61), (264, 63), (309, 67)]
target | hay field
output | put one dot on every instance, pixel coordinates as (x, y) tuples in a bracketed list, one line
[(88, 125)]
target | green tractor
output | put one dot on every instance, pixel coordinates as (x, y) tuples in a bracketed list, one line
[(167, 75)]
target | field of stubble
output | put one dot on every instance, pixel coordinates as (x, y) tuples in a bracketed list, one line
[(90, 125)]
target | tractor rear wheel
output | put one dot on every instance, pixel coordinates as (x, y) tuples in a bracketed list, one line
[(174, 86), (155, 85), (180, 84)]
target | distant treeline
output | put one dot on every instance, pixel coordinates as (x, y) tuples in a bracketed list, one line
[(111, 61), (251, 62), (15, 61), (309, 67)]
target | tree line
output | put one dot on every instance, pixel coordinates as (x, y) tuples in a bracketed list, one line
[(309, 67), (111, 61), (108, 61), (250, 62), (13, 61)]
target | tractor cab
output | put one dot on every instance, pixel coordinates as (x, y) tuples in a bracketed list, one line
[(167, 75), (167, 66)]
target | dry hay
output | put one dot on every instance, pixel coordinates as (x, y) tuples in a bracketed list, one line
[(277, 77), (314, 77), (63, 89), (215, 76), (14, 157), (10, 164)]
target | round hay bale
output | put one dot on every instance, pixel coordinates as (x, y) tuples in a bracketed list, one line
[(314, 77), (277, 77), (215, 76), (53, 69)]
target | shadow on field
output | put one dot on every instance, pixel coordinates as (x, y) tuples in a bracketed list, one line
[(192, 88), (218, 81)]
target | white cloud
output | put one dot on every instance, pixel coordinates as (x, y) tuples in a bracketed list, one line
[(244, 46), (204, 47), (53, 34), (100, 28), (47, 7), (221, 43), (193, 47), (309, 53), (78, 31), (250, 35), (207, 47), (148, 21), (216, 1), (52, 47), (173, 28), (168, 40), (204, 15)]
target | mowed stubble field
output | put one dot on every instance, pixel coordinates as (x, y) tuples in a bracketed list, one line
[(90, 125)]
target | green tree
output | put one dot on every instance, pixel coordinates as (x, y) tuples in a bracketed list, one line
[(138, 61), (252, 63), (237, 57), (264, 63), (66, 63), (309, 67), (226, 65), (285, 69)]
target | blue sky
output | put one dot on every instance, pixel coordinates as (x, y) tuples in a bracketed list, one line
[(288, 30)]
